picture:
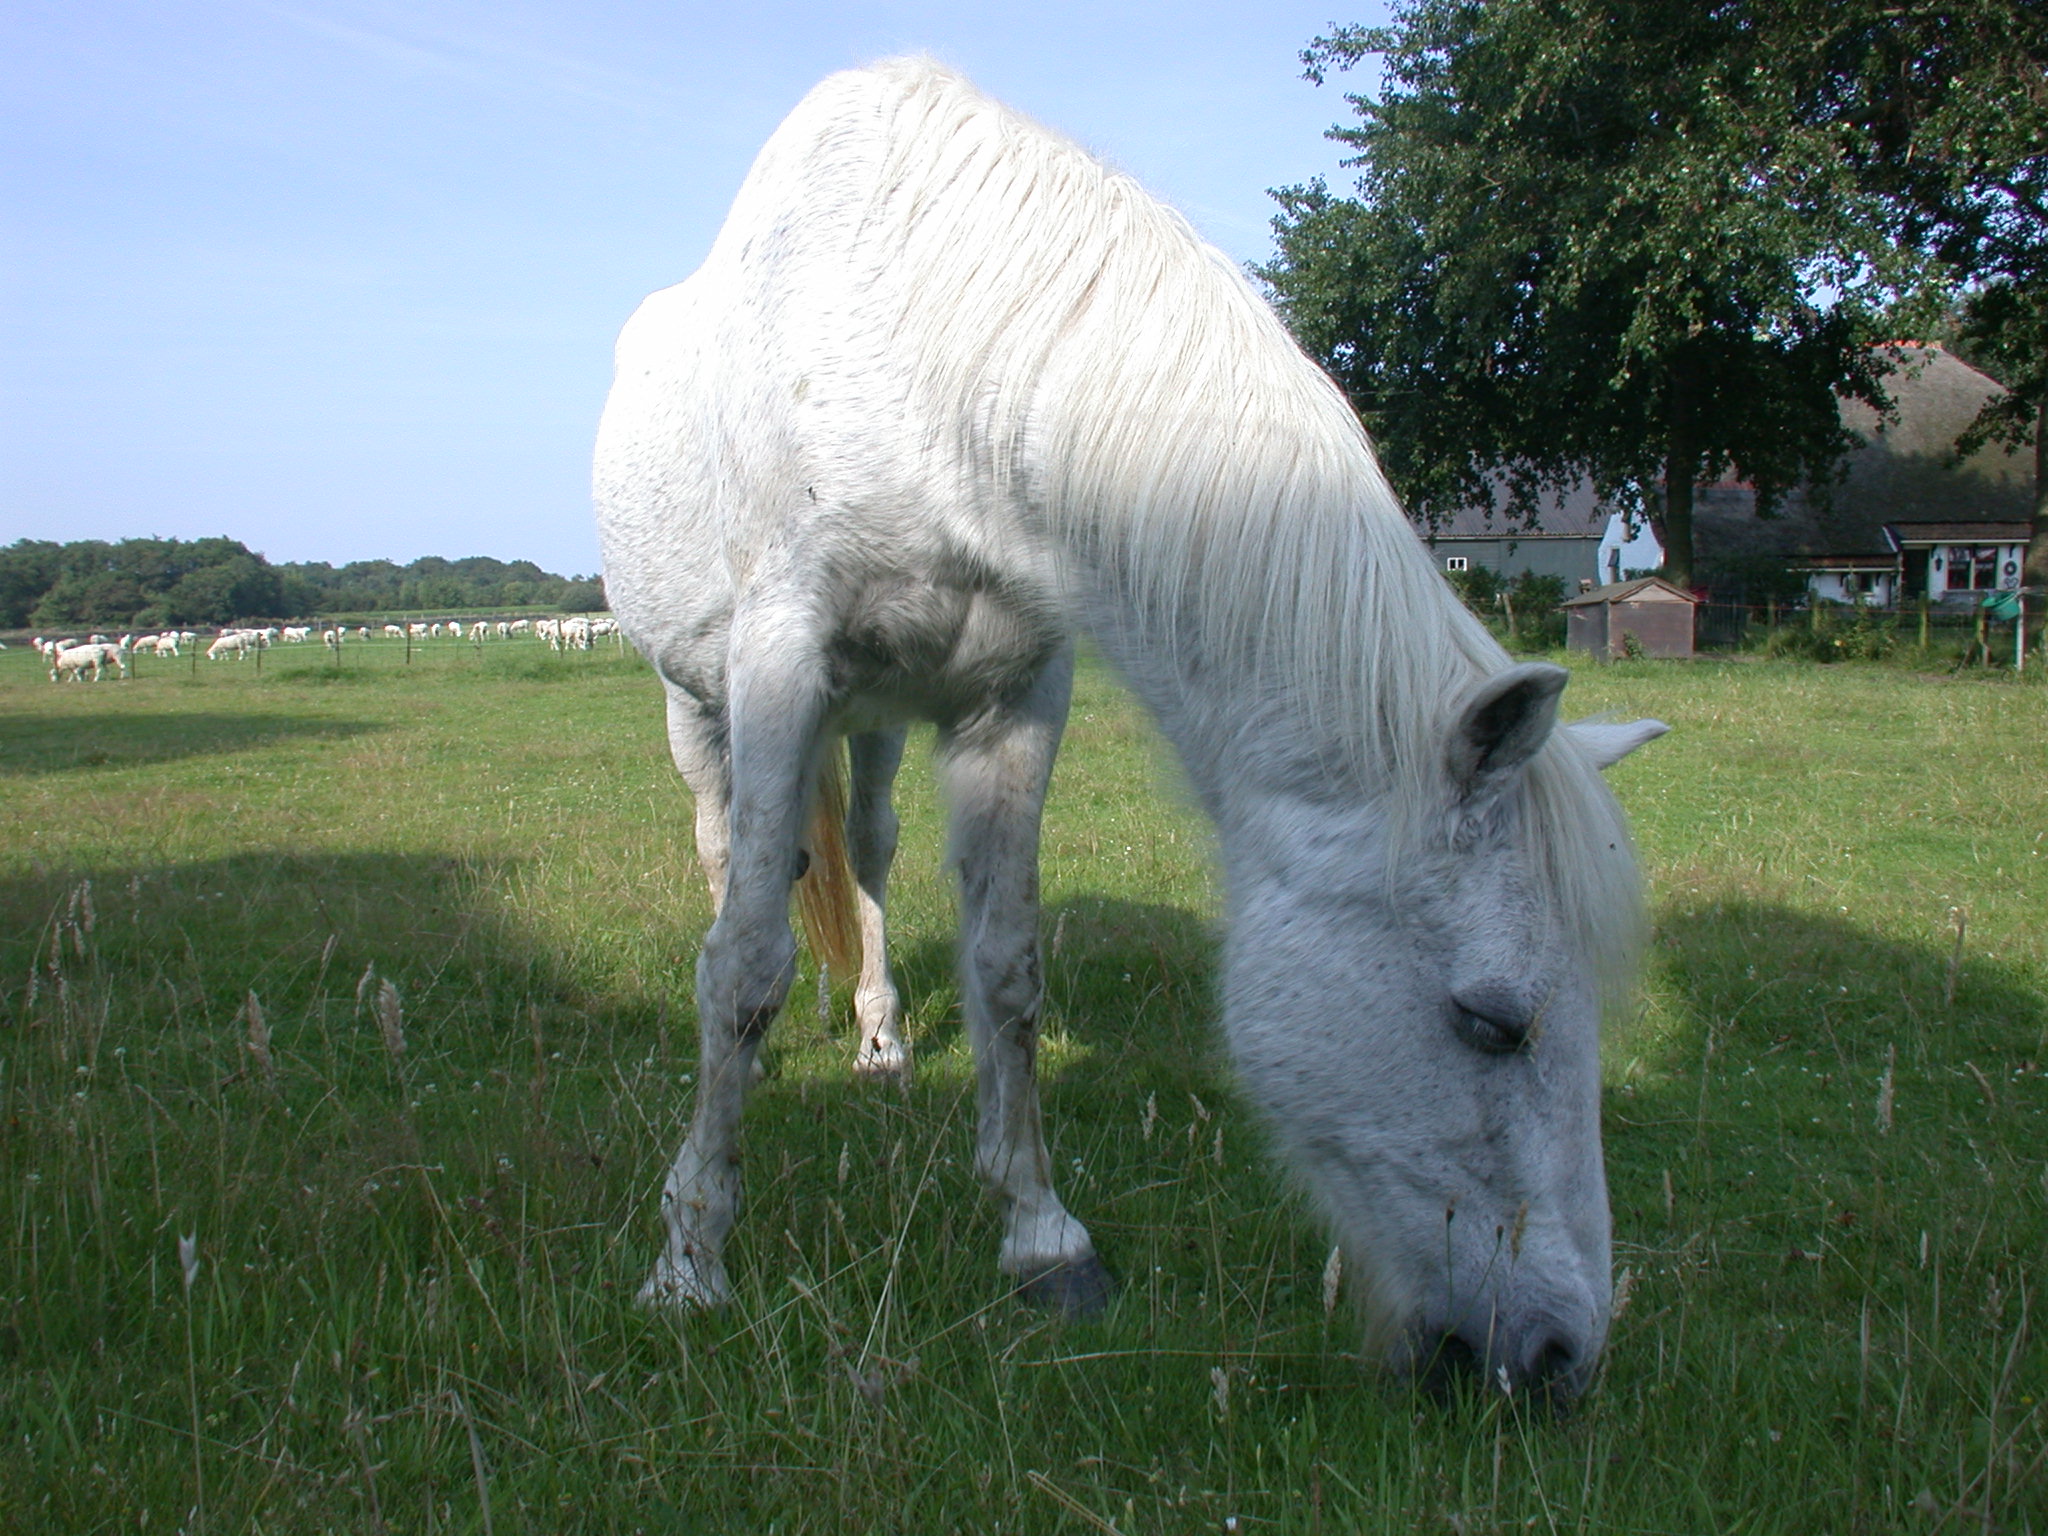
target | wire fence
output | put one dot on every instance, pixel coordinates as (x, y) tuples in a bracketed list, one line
[(1947, 635), (1944, 633)]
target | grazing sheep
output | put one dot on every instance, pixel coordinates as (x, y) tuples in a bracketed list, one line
[(72, 660)]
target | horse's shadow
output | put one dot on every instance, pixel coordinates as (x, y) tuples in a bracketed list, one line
[(1116, 973), (1780, 1024), (123, 739)]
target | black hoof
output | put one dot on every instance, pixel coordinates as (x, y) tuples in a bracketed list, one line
[(1072, 1290)]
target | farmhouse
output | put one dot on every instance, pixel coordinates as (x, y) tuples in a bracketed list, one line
[(1906, 520), (1957, 561), (1576, 537)]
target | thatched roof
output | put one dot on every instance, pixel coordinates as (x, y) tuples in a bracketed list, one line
[(1903, 472)]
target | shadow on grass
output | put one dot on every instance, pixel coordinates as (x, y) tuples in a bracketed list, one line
[(1830, 1105), (62, 744), (1120, 977), (1764, 976)]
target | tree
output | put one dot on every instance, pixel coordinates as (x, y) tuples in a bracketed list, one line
[(1945, 112), (1593, 239), (28, 569)]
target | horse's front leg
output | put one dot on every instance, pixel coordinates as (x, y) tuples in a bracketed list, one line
[(996, 770), (871, 840), (744, 971)]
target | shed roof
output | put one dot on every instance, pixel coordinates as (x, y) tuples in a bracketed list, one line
[(1653, 589)]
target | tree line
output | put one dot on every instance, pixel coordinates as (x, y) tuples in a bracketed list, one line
[(1648, 243), (149, 583)]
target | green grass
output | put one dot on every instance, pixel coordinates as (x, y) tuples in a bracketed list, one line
[(413, 1304)]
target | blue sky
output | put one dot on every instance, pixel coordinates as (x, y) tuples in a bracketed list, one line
[(340, 278)]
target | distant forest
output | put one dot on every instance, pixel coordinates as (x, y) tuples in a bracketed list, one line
[(149, 583)]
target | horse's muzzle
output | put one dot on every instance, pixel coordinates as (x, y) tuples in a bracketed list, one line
[(1542, 1360)]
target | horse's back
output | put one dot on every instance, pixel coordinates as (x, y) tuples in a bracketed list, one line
[(763, 432)]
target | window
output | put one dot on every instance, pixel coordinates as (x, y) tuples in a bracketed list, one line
[(1457, 563), (1973, 567)]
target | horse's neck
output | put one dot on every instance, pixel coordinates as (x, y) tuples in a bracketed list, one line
[(1255, 751)]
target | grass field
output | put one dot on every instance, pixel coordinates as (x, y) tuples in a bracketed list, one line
[(412, 1304)]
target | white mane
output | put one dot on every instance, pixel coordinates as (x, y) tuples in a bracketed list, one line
[(1111, 372)]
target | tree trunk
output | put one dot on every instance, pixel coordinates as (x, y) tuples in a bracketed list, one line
[(2034, 573), (1681, 463)]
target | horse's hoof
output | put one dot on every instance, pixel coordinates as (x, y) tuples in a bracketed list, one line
[(1080, 1289), (683, 1287), (882, 1058)]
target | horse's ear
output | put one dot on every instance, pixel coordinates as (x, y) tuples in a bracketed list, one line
[(1608, 743), (1501, 725)]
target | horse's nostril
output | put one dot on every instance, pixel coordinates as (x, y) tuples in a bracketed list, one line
[(1548, 1366), (1454, 1354), (1551, 1362), (1553, 1370), (1450, 1359)]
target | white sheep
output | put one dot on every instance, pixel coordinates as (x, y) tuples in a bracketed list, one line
[(72, 661)]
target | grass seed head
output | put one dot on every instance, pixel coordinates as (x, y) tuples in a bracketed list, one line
[(259, 1039), (390, 1019), (1884, 1093)]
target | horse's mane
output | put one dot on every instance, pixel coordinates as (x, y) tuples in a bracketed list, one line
[(1108, 370)]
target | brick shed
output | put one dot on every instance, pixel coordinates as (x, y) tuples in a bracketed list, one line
[(1657, 614)]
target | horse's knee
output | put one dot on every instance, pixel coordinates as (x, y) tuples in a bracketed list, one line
[(743, 979), (1007, 976)]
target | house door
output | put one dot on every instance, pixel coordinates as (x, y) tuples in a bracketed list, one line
[(1915, 563)]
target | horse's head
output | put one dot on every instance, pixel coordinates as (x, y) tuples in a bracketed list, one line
[(1414, 998)]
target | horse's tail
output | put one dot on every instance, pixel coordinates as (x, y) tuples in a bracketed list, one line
[(825, 895)]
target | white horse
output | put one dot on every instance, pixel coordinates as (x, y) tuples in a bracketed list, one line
[(947, 390)]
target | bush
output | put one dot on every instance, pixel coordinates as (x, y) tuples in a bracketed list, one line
[(1827, 637), (1522, 610)]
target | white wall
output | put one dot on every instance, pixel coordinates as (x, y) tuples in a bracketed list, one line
[(1623, 549)]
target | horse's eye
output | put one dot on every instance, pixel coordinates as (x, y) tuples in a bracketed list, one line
[(1496, 1037)]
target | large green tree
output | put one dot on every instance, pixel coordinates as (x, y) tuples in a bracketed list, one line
[(1591, 238), (1944, 108)]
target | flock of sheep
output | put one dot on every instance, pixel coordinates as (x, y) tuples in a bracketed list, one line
[(71, 659)]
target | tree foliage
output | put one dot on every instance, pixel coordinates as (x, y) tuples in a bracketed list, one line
[(1945, 110), (149, 583), (1592, 238)]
